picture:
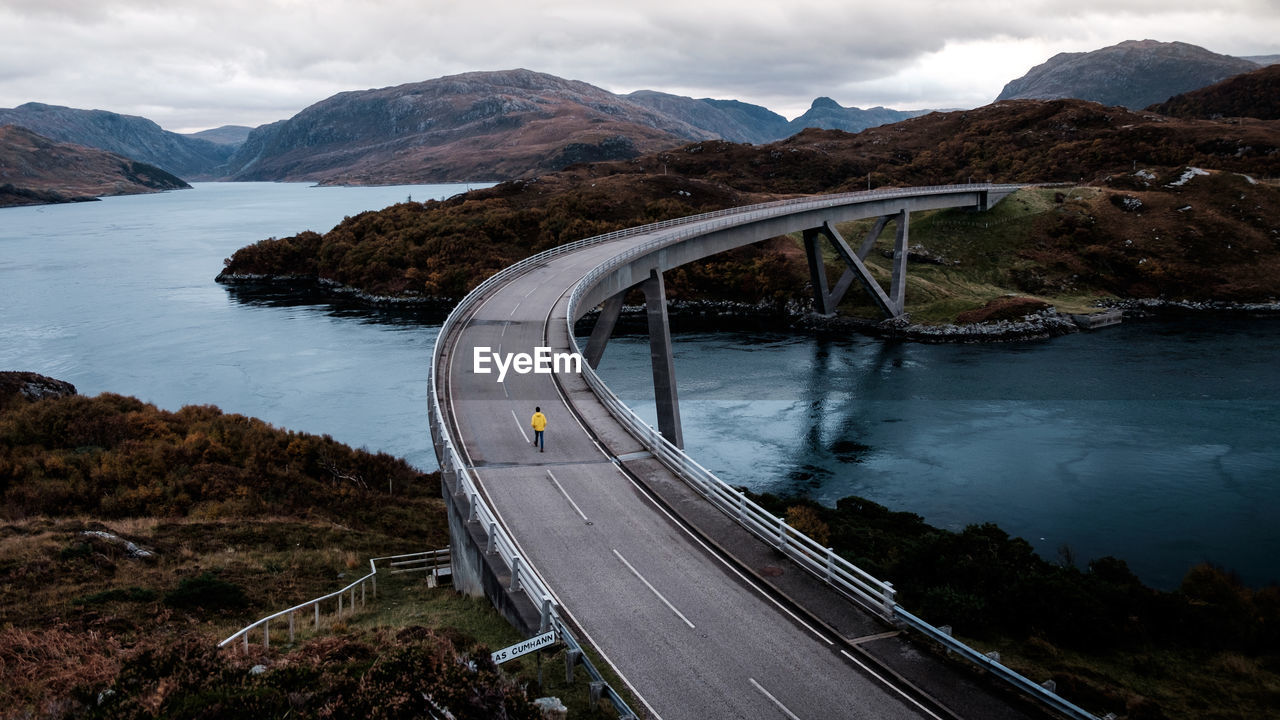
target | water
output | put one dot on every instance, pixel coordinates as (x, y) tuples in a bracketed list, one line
[(1152, 442), (119, 296)]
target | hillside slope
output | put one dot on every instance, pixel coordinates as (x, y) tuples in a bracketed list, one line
[(35, 170), (475, 126), (1148, 227), (1132, 74), (134, 137), (1255, 94)]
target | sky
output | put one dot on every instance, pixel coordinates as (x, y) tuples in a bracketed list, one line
[(196, 65)]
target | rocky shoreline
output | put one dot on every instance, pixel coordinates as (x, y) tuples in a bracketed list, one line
[(695, 315)]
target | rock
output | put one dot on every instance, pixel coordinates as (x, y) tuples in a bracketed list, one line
[(30, 387), (551, 707)]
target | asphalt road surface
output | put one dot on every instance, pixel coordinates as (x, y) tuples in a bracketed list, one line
[(692, 636)]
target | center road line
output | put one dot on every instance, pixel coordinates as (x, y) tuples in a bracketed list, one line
[(520, 426), (566, 495), (773, 700), (653, 589)]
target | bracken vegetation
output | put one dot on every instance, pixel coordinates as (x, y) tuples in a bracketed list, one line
[(1141, 235), (133, 539), (1210, 649)]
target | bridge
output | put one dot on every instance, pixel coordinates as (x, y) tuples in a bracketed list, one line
[(704, 604)]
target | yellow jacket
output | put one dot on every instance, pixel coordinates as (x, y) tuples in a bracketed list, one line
[(539, 422)]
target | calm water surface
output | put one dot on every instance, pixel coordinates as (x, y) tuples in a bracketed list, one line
[(118, 296), (1153, 442)]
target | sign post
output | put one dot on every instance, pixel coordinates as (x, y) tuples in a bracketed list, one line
[(537, 642)]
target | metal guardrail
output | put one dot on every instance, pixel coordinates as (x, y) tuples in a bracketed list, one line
[(846, 577), (421, 560), (993, 666), (852, 581), (877, 595)]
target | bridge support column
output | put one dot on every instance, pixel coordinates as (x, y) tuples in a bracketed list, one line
[(825, 302), (664, 372), (898, 285), (603, 328)]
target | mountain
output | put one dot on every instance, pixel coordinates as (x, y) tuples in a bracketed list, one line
[(730, 120), (474, 126), (128, 135), (1255, 94), (827, 114), (226, 135), (35, 170), (1133, 74), (1150, 226), (1263, 59)]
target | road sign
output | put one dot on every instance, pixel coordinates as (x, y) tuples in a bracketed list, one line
[(537, 642)]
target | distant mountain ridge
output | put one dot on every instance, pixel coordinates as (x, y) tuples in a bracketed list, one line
[(129, 135), (1133, 74), (36, 170), (827, 114), (472, 126)]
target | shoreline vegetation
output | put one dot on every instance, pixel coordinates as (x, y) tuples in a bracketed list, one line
[(235, 519), (133, 539), (1155, 208)]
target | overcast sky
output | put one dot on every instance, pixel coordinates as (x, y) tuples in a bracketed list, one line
[(196, 65)]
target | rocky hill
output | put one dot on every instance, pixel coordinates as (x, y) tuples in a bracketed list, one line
[(134, 137), (473, 126), (1132, 74), (730, 120), (1255, 94), (1147, 227), (35, 170), (827, 114), (232, 135), (503, 125)]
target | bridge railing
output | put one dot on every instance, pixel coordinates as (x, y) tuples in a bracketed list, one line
[(877, 595), (424, 562), (843, 575)]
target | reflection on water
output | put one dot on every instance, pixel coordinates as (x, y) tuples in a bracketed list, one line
[(1153, 442), (118, 296)]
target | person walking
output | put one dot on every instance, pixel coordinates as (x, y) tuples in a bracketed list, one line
[(539, 423)]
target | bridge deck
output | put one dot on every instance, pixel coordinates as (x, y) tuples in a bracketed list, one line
[(694, 635)]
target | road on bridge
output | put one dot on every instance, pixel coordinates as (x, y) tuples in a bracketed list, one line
[(692, 635)]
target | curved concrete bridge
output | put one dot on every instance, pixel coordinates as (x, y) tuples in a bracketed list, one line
[(702, 603)]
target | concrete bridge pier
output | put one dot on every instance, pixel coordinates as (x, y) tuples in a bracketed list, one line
[(664, 370), (664, 367), (893, 303)]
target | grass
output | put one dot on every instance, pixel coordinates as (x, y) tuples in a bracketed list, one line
[(981, 252), (1181, 684)]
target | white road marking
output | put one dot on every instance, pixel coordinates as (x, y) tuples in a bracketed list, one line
[(566, 496), (891, 686), (716, 554), (774, 700), (653, 589), (521, 426)]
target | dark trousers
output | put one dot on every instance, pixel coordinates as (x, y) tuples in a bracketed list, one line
[(537, 439)]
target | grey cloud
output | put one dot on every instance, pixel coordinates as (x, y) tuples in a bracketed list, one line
[(253, 61)]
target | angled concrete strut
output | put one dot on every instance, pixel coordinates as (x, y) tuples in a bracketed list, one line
[(892, 304)]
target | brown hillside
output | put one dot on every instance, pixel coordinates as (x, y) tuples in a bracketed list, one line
[(474, 126), (1209, 237), (1254, 95), (36, 170)]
